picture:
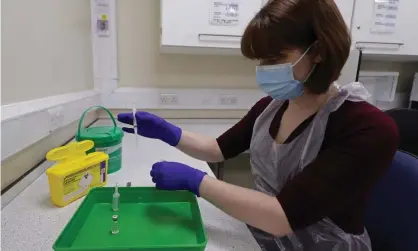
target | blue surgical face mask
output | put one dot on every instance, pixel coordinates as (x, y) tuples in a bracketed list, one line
[(278, 80)]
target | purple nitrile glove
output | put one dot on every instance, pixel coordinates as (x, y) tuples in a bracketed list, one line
[(176, 176), (152, 126)]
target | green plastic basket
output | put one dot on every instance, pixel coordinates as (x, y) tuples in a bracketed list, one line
[(107, 139), (149, 219)]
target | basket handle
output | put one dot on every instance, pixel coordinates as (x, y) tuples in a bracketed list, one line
[(80, 123)]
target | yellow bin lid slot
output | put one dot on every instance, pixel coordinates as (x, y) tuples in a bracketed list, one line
[(73, 157)]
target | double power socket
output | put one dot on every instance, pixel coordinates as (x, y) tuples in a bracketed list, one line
[(223, 99)]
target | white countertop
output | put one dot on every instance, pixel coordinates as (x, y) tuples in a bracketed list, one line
[(32, 222)]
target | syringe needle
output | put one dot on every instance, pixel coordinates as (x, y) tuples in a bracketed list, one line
[(135, 125)]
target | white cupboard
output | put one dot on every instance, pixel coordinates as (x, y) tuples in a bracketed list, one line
[(205, 26), (213, 26), (386, 27), (379, 27)]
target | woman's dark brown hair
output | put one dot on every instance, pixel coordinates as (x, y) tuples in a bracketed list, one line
[(296, 24)]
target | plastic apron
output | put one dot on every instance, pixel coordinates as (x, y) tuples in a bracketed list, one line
[(273, 164)]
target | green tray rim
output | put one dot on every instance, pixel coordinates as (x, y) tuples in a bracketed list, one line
[(168, 247)]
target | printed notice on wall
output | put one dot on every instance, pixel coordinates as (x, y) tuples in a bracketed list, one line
[(224, 12), (385, 14)]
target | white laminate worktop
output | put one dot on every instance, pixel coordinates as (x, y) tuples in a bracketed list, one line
[(31, 222)]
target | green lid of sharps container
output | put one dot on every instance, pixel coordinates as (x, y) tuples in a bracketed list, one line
[(100, 135)]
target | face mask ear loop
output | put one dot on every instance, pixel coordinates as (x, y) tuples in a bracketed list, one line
[(302, 55), (310, 73)]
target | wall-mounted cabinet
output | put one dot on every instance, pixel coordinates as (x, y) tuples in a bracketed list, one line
[(213, 26), (379, 27), (386, 27), (205, 26)]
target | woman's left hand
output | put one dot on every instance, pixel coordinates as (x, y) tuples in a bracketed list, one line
[(176, 176), (252, 207)]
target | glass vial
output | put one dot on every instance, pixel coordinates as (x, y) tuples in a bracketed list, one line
[(115, 199), (115, 224)]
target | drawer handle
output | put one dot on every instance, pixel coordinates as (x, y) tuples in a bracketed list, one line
[(379, 45), (220, 38)]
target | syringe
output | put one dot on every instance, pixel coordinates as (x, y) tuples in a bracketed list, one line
[(135, 125)]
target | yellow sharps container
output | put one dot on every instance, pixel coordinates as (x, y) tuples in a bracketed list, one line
[(75, 172)]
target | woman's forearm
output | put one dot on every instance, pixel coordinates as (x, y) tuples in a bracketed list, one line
[(254, 208), (200, 147)]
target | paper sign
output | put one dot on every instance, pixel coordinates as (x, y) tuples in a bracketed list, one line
[(224, 12), (385, 14)]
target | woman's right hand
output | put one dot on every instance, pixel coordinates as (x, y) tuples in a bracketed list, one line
[(152, 126)]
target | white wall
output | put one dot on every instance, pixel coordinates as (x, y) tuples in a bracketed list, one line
[(46, 48), (48, 52), (142, 65), (47, 73)]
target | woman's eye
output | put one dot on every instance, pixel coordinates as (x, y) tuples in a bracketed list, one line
[(268, 61)]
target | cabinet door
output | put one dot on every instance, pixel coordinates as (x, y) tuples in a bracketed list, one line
[(206, 23), (386, 27), (346, 9)]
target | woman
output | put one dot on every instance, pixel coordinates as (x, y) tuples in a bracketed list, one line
[(316, 150)]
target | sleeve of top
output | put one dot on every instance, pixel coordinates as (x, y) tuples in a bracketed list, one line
[(342, 172), (237, 139)]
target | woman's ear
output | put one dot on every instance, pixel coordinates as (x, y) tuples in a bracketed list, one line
[(316, 50), (317, 59)]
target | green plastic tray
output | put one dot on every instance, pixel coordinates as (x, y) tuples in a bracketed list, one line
[(149, 219)]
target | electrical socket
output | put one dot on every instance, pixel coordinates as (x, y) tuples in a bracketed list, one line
[(228, 100), (56, 118), (168, 99)]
